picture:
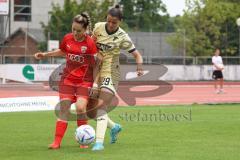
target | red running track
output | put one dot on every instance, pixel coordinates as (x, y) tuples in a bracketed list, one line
[(154, 94)]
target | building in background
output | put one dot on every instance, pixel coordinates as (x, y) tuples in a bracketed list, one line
[(26, 14), (24, 20), (17, 51), (20, 29)]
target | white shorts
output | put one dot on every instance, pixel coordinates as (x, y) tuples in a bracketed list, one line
[(109, 83)]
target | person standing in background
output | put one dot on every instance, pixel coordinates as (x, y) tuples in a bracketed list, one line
[(217, 71)]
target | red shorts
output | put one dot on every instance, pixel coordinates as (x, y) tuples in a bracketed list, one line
[(71, 90)]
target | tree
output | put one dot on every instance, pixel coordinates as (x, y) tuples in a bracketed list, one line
[(129, 13), (61, 17), (208, 24), (145, 15)]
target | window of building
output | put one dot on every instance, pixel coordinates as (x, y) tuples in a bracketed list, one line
[(22, 10)]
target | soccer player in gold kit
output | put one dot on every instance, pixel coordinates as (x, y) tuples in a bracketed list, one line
[(110, 39)]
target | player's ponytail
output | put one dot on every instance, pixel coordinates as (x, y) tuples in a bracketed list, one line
[(89, 27), (116, 12)]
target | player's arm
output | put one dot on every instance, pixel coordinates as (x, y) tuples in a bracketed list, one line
[(139, 61), (132, 50), (216, 66), (96, 75), (96, 69), (55, 53), (97, 57)]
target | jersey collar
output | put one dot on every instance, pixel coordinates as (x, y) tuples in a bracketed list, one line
[(110, 33)]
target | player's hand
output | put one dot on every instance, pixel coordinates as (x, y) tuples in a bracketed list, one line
[(139, 71), (39, 55), (94, 92), (219, 68)]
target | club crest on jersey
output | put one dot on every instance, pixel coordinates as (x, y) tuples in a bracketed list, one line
[(83, 49)]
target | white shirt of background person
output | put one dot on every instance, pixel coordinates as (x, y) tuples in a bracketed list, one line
[(216, 60)]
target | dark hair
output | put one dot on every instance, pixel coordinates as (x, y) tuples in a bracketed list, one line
[(116, 12), (83, 19)]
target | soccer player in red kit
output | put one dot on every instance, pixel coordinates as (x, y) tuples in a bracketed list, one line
[(79, 50)]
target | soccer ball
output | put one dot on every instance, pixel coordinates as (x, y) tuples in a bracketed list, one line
[(85, 134)]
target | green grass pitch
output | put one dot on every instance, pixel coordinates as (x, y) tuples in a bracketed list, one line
[(195, 132)]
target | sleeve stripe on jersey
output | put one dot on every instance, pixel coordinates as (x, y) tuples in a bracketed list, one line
[(132, 50)]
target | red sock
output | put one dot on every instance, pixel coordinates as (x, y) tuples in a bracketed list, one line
[(61, 127), (81, 122)]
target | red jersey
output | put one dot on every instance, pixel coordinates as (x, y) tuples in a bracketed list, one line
[(79, 59)]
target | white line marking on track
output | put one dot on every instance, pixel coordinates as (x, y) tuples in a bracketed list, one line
[(158, 100)]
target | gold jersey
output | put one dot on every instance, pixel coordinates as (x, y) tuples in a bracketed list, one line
[(109, 46)]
